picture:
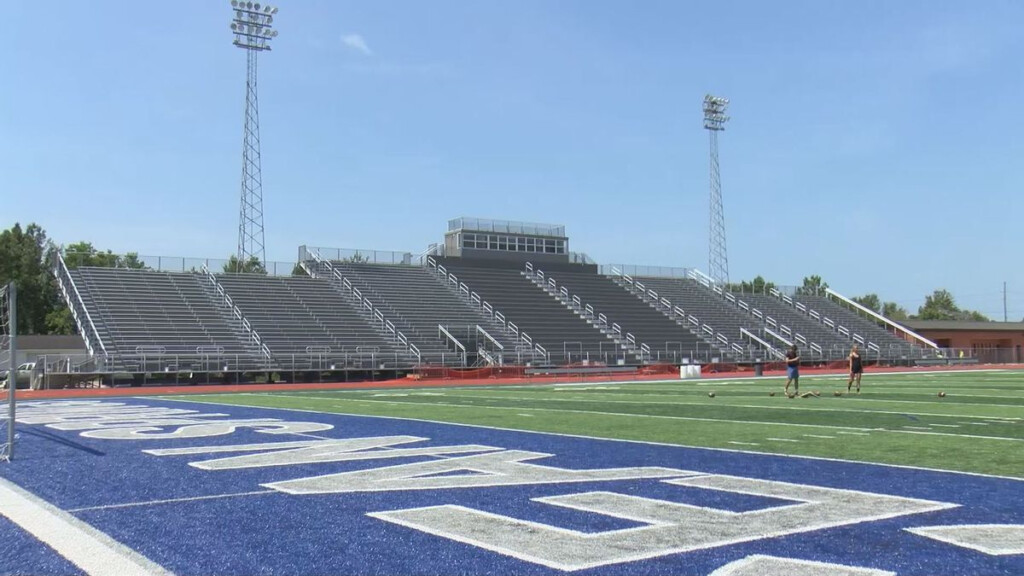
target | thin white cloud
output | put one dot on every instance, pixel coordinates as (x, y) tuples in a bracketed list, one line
[(357, 43)]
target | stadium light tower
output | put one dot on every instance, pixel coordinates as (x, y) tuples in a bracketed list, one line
[(714, 122), (252, 26)]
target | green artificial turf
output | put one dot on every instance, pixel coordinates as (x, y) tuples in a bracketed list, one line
[(897, 419)]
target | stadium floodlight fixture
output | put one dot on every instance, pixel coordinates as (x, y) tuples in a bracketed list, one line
[(253, 25), (714, 112)]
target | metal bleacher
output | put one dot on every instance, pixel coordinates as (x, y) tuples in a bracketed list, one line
[(706, 307), (666, 339), (889, 343), (140, 312), (563, 334), (417, 302), (304, 322)]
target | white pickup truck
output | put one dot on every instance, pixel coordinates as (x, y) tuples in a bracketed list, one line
[(23, 376)]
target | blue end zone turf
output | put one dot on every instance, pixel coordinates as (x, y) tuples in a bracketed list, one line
[(718, 507)]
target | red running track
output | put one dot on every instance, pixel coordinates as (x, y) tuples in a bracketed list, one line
[(449, 383)]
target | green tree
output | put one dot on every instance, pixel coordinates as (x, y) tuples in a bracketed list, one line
[(131, 260), (23, 260), (894, 311), (82, 254), (250, 266), (298, 270), (813, 285), (869, 301), (757, 286), (356, 258), (940, 305)]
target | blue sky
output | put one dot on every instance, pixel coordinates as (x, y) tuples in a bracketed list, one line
[(875, 143)]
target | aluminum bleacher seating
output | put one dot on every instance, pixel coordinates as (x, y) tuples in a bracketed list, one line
[(666, 339), (301, 318), (708, 308), (154, 313), (417, 302), (562, 333)]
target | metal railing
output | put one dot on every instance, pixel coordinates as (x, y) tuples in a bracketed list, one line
[(897, 327), (166, 263), (460, 288), (640, 270), (573, 303), (236, 312), (78, 309), (376, 316), (361, 256), (444, 334), (676, 313)]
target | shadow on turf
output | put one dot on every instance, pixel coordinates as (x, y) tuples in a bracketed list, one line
[(60, 440)]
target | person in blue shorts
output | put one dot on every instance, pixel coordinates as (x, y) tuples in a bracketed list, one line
[(793, 370)]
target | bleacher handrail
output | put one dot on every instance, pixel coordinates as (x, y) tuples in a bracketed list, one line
[(778, 336), (488, 336), (764, 343), (877, 316), (375, 313), (572, 302), (63, 270), (254, 335)]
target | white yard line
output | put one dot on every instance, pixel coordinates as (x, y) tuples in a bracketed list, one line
[(817, 407), (744, 443), (171, 500), (94, 552), (689, 418), (782, 439), (820, 436), (583, 436)]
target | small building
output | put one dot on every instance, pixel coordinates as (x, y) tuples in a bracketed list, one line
[(987, 341), (32, 347)]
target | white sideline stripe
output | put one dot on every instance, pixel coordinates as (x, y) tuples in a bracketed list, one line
[(621, 414), (96, 553), (691, 418), (171, 501), (586, 437), (757, 406), (478, 407)]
